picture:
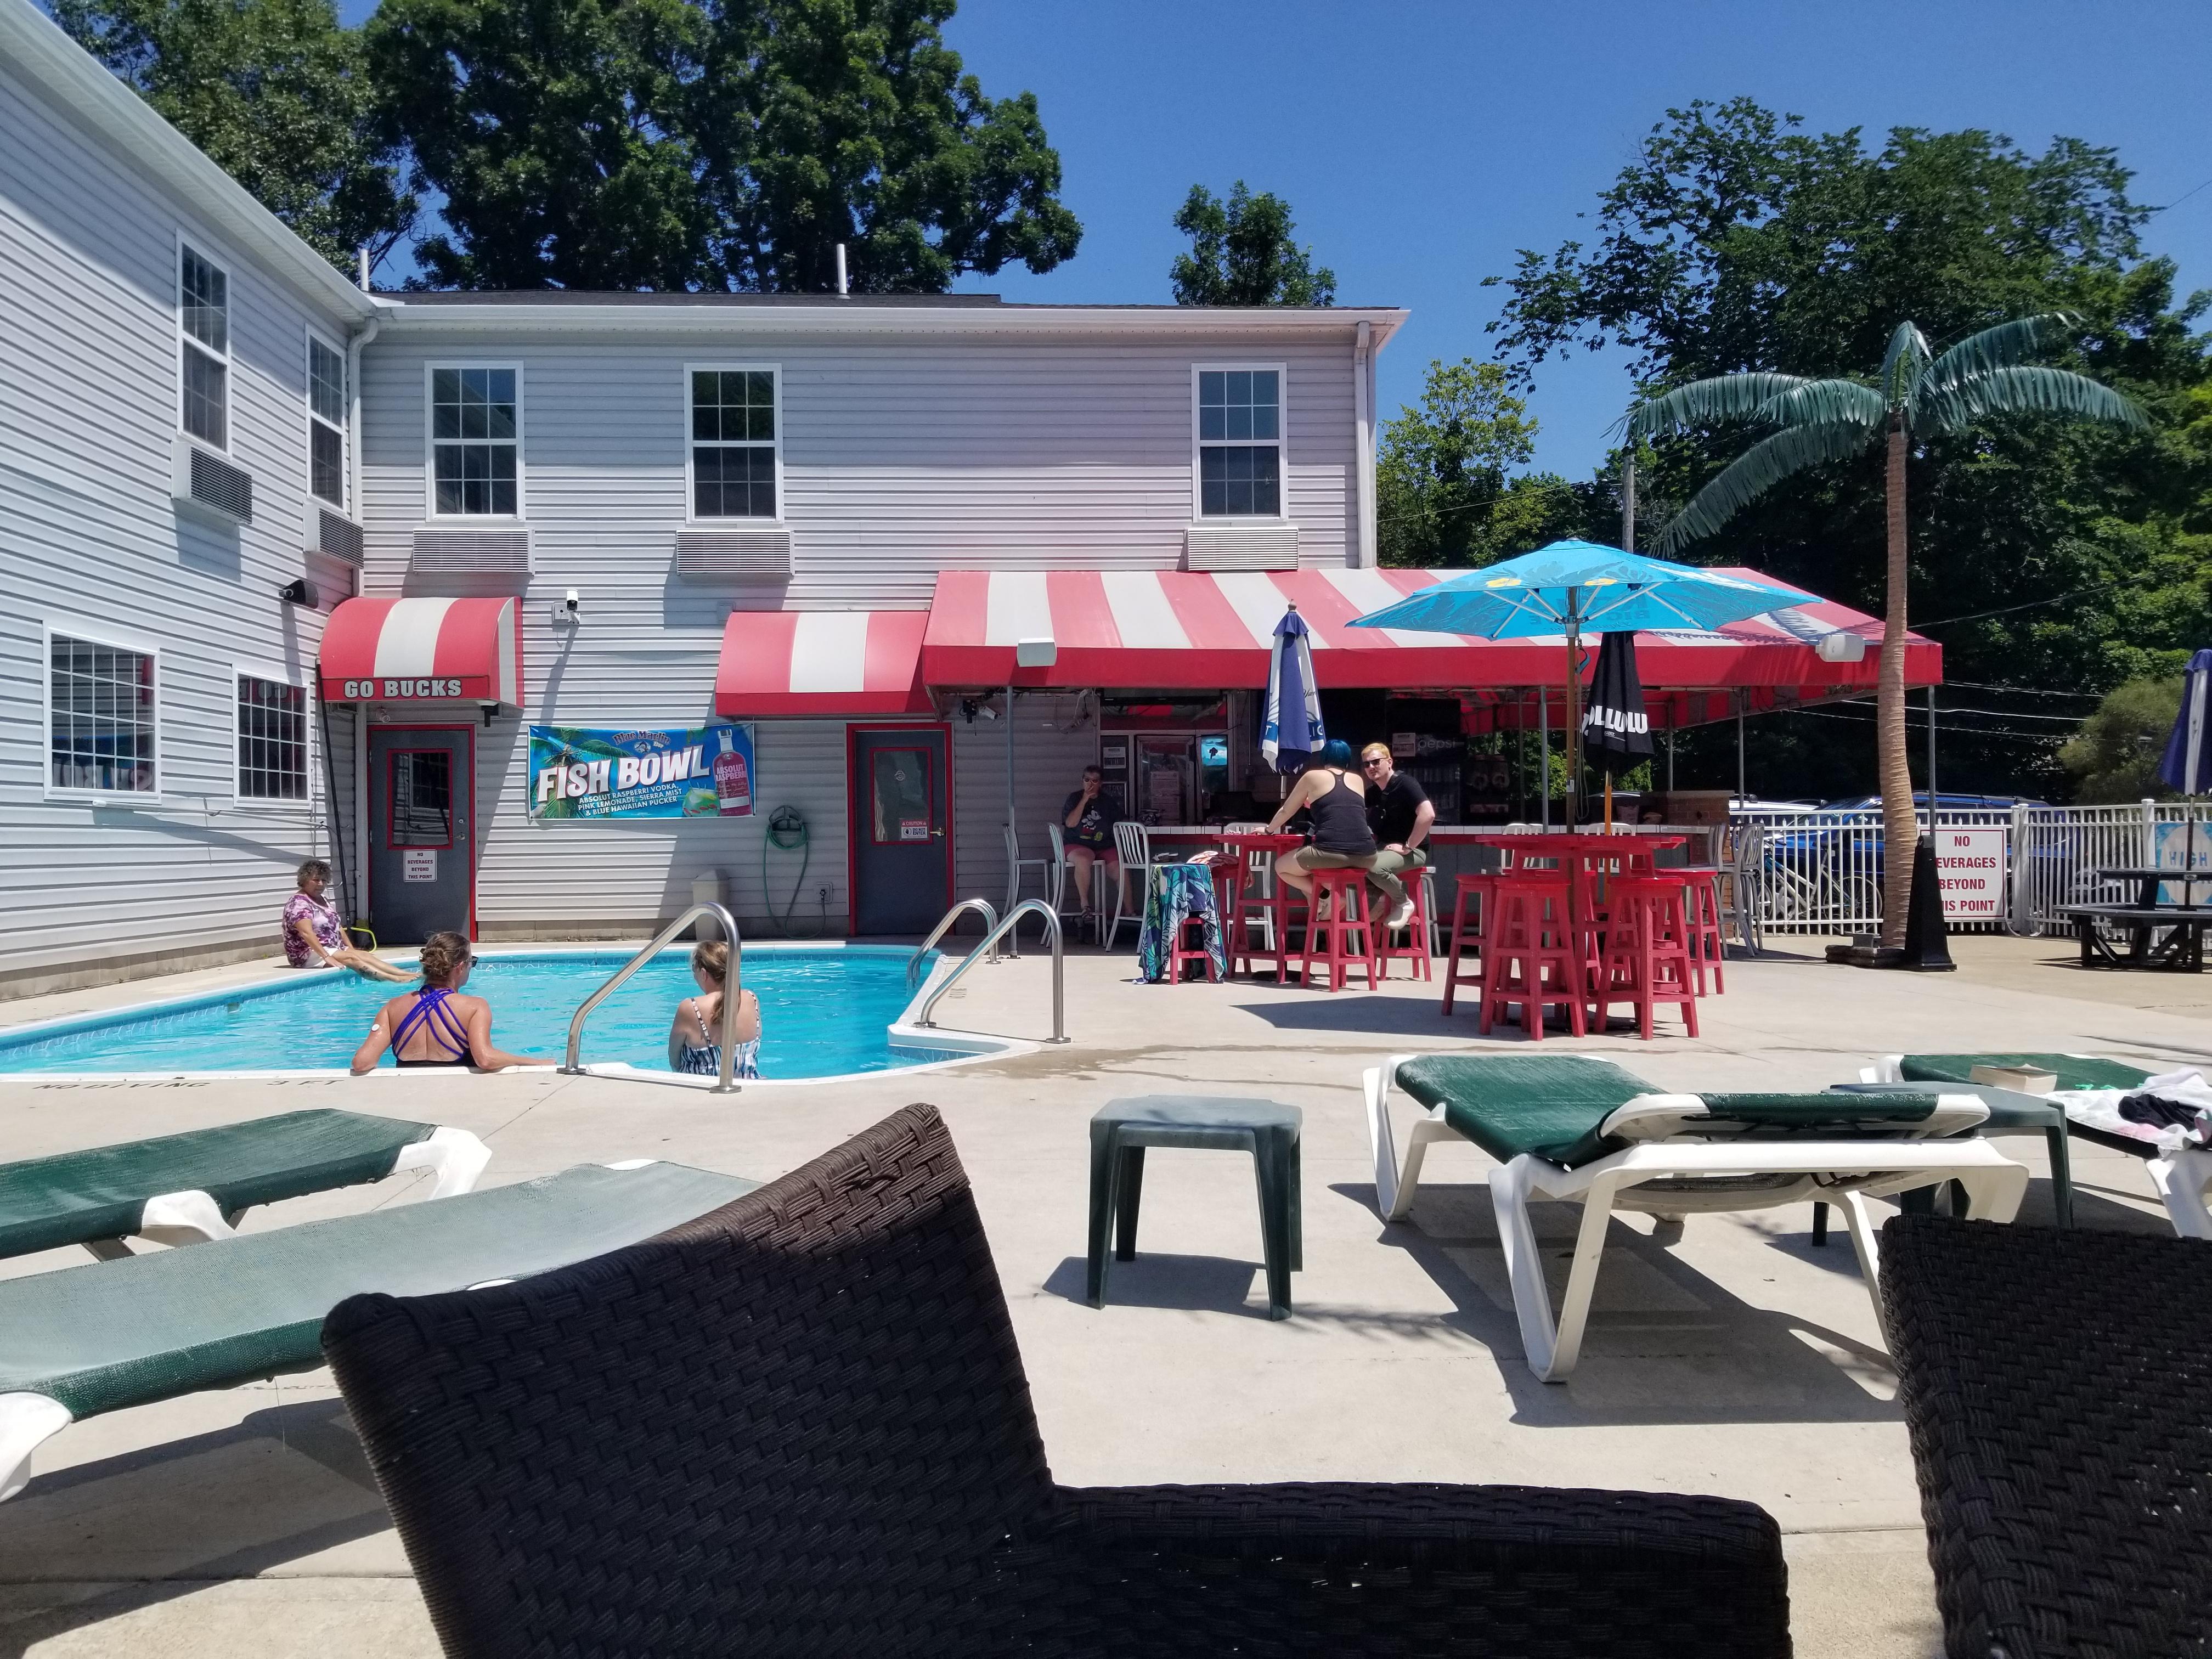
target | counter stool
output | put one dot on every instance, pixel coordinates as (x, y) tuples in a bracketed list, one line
[(1534, 953), (1646, 960), (1274, 912), (1121, 1130), (1421, 933), (1466, 928), (1343, 894), (1703, 904)]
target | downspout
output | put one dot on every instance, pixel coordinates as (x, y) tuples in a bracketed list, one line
[(368, 331), (358, 892), (1363, 399)]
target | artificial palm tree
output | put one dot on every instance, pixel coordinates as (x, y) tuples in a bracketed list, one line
[(1917, 392)]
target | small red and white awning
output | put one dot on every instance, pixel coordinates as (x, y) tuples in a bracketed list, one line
[(822, 662), (423, 651), (1182, 630)]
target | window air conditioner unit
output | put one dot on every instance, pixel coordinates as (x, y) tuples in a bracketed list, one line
[(337, 537), (208, 486)]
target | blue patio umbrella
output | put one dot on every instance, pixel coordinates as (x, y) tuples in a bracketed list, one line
[(1571, 587), (1293, 731), (2187, 762)]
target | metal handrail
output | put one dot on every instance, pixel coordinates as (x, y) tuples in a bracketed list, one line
[(1059, 992), (733, 991), (990, 922)]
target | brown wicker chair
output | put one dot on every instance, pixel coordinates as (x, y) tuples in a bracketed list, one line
[(799, 1426)]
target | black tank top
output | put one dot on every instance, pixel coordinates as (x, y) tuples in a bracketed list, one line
[(1339, 819)]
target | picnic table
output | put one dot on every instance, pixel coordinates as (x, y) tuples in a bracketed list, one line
[(2181, 951)]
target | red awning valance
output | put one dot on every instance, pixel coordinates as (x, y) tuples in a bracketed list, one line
[(822, 662), (423, 651)]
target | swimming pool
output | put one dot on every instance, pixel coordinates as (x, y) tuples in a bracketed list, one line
[(825, 1011)]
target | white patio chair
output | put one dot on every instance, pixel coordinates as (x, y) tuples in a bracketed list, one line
[(1016, 864), (1582, 1130), (1056, 876), (1260, 882), (1133, 847)]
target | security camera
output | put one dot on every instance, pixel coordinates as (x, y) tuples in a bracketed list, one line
[(572, 602), (570, 610)]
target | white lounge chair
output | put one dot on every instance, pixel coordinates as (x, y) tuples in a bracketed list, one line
[(1580, 1129)]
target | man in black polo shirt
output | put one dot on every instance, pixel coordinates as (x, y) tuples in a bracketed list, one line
[(1400, 812)]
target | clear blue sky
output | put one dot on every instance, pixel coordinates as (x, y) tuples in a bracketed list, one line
[(1420, 145)]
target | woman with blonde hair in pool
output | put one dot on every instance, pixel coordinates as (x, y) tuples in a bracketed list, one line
[(437, 1025), (694, 1036)]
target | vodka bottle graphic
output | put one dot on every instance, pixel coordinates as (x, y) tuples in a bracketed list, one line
[(733, 787)]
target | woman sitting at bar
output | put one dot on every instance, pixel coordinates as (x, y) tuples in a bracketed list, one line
[(695, 1037), (437, 1025), (1336, 799), (313, 936)]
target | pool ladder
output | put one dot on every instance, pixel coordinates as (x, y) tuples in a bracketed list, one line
[(944, 922), (990, 942), (733, 991)]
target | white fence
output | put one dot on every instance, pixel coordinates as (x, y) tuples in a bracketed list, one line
[(1820, 871)]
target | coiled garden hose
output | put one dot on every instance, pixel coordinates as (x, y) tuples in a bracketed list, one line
[(786, 832)]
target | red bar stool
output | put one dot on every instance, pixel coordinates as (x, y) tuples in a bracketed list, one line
[(1647, 957), (1705, 917), (1343, 894), (1282, 908), (1228, 882), (1415, 950), (1532, 954), (1467, 928)]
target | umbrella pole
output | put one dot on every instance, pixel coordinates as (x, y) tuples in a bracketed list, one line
[(1574, 718)]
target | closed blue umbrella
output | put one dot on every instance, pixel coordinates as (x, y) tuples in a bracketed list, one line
[(1293, 731), (2187, 762), (1571, 587)]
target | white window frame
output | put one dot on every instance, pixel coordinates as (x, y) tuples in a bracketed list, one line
[(96, 634), (430, 443), (201, 247), (1282, 441), (690, 482), (275, 675), (315, 338)]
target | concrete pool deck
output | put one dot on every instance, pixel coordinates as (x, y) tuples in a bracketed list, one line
[(1727, 1355)]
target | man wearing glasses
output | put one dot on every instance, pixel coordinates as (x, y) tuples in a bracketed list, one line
[(1400, 812)]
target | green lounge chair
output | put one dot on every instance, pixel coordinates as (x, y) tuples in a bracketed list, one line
[(187, 1188), (1574, 1128), (2180, 1176), (98, 1337)]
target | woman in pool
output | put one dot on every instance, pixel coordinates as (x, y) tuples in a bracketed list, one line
[(314, 936), (437, 1025), (695, 1037)]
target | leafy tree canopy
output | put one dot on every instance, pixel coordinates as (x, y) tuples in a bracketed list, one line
[(2114, 757), (275, 92), (1242, 254), (677, 143), (2045, 553)]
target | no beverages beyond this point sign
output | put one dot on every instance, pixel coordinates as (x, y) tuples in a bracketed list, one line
[(1971, 864)]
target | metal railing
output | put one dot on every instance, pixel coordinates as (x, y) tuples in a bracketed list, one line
[(944, 922), (2057, 852), (733, 991), (1059, 985)]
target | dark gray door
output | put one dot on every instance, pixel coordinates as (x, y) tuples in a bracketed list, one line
[(422, 821), (902, 830)]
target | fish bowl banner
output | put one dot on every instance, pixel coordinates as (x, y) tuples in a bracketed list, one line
[(694, 772)]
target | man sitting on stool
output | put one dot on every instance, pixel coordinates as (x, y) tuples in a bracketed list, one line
[(1400, 812)]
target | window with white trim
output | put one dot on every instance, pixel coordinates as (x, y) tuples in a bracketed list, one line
[(272, 739), (1240, 443), (733, 443), (204, 346), (99, 717), (326, 422), (475, 434)]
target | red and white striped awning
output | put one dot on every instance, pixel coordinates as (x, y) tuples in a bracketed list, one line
[(423, 651), (822, 662), (1180, 630)]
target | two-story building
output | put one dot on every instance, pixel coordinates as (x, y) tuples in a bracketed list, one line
[(293, 569)]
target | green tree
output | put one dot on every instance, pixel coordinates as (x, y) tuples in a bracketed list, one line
[(1242, 254), (683, 144), (275, 92), (1443, 493), (2114, 757), (1916, 393)]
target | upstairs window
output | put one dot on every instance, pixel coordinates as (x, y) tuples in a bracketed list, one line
[(733, 443), (1240, 443), (99, 717), (326, 422), (203, 342), (272, 739), (475, 434)]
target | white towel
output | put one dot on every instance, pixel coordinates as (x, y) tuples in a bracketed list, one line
[(2099, 1109)]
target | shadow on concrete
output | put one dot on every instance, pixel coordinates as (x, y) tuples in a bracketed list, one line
[(1210, 1284), (1379, 1016), (1665, 1344)]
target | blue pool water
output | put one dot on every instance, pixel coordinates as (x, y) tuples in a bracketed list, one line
[(823, 1013)]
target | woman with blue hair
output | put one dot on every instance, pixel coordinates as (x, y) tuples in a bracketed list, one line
[(1336, 797)]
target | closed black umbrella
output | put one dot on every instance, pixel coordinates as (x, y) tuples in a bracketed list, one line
[(1616, 731)]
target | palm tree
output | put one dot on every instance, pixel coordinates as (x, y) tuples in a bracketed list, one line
[(1917, 392)]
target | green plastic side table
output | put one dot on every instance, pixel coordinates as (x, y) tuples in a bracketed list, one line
[(1121, 1130)]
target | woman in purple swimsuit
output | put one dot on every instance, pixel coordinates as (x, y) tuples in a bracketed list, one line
[(437, 1025)]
